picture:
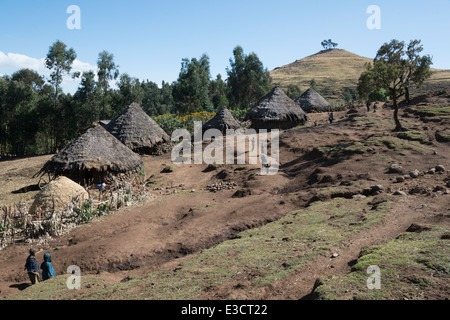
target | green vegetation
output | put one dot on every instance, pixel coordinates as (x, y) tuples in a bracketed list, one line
[(39, 118), (414, 136), (248, 80), (261, 257), (412, 266), (395, 69), (430, 112)]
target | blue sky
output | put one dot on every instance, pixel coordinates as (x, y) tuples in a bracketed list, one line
[(149, 38)]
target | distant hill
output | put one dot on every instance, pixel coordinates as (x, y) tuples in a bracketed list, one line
[(336, 71)]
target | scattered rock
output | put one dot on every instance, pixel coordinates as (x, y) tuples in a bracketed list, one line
[(414, 174), (222, 185), (431, 171), (417, 228), (440, 188), (241, 193), (376, 188), (439, 168), (335, 255), (358, 196), (400, 179), (399, 193), (395, 168), (210, 167), (168, 169), (420, 190), (222, 174)]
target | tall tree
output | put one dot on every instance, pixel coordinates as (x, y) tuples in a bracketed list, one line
[(87, 98), (395, 68), (191, 90), (59, 60), (107, 71), (248, 80), (130, 91), (218, 90)]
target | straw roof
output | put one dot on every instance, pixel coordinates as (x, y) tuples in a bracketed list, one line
[(222, 121), (93, 155), (311, 101), (137, 130), (276, 111)]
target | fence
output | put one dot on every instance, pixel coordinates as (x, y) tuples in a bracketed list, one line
[(18, 223)]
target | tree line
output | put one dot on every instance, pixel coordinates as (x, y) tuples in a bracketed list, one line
[(38, 117)]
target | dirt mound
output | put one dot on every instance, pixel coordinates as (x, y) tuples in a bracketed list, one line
[(57, 194)]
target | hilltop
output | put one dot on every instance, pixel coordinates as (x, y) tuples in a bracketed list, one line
[(338, 70)]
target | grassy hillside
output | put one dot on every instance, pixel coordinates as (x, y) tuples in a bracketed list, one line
[(338, 70)]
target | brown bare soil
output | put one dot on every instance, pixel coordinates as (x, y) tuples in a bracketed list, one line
[(183, 218)]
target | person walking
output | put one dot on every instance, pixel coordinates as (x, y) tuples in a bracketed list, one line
[(331, 117), (47, 268), (32, 267)]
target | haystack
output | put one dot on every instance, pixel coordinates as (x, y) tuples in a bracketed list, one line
[(311, 101), (93, 156), (135, 129), (222, 121), (57, 194), (276, 111)]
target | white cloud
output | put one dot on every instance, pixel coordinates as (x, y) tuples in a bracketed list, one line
[(12, 62)]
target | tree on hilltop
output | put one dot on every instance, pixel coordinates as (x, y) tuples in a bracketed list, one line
[(328, 44)]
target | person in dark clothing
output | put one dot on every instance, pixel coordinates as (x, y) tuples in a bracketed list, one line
[(331, 117), (368, 106), (47, 268), (32, 267)]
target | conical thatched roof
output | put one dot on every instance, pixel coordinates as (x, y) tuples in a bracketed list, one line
[(311, 101), (93, 155), (276, 111), (137, 130), (222, 121)]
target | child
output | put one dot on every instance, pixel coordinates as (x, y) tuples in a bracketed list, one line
[(47, 268), (331, 117), (32, 267)]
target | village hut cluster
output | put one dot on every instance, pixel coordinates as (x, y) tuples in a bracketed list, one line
[(113, 150)]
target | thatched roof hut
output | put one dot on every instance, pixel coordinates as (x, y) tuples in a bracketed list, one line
[(135, 129), (222, 121), (276, 111), (311, 101), (91, 157)]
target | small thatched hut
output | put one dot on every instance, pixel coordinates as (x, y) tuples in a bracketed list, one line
[(135, 129), (222, 121), (311, 101), (93, 156), (276, 111)]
